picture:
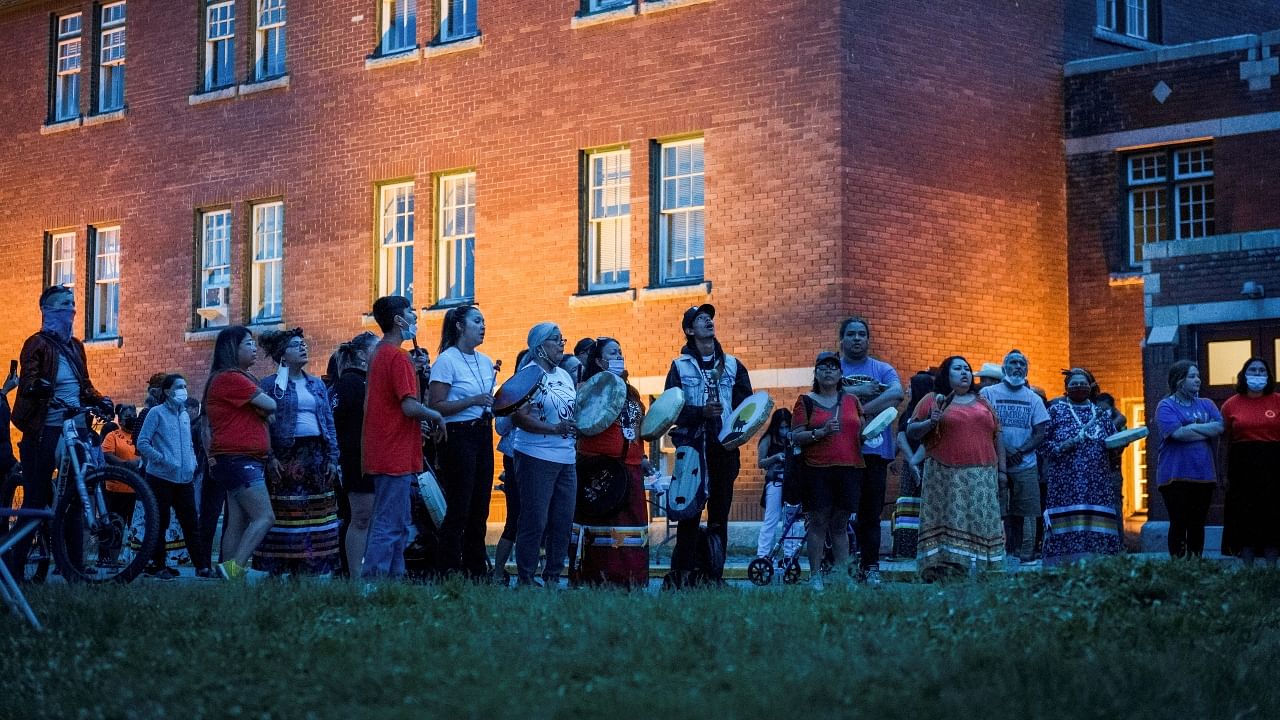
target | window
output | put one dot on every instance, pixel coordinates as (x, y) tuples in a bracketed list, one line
[(1170, 196), (215, 268), (105, 283), (62, 259), (1135, 18), (399, 26), (457, 251), (395, 232), (608, 221), (680, 220), (269, 42), (598, 5), (111, 58), (219, 45), (66, 75), (457, 19), (1226, 357), (266, 295), (1138, 459)]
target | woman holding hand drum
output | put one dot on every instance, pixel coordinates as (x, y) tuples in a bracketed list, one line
[(611, 522)]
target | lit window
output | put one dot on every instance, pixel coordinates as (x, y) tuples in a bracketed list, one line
[(457, 19), (219, 45), (267, 291), (1138, 459), (395, 232), (269, 44), (608, 241), (111, 58), (1226, 357), (457, 251), (66, 91), (215, 268), (62, 259), (681, 223), (106, 282), (399, 26), (1164, 205)]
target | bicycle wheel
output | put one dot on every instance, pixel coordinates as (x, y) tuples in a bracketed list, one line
[(38, 558), (105, 551)]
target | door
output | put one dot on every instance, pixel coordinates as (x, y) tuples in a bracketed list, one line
[(1223, 350)]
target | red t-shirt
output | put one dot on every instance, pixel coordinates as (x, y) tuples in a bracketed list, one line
[(236, 426), (965, 435), (391, 442), (841, 449), (1252, 419), (610, 442)]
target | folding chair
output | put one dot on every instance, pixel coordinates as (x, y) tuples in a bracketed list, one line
[(9, 588)]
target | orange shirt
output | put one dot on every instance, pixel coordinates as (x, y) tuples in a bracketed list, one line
[(119, 444), (965, 435), (1252, 419)]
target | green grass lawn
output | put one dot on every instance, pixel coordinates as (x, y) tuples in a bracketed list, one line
[(1120, 639)]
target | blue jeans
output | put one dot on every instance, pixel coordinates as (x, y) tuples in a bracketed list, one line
[(548, 493), (389, 527)]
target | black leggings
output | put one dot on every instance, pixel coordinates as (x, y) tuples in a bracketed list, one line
[(181, 497), (466, 478), (1188, 505)]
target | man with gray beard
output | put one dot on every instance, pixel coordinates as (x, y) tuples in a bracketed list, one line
[(1023, 423)]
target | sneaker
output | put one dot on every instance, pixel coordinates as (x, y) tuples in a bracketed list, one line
[(815, 582), (230, 570), (871, 576)]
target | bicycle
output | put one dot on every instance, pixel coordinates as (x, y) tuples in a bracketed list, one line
[(90, 534), (40, 554)]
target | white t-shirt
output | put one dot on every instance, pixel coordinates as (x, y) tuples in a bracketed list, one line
[(1019, 411), (466, 375), (554, 400), (307, 425)]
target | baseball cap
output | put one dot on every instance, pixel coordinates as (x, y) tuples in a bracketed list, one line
[(693, 312), (826, 356)]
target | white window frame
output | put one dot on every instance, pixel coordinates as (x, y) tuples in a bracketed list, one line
[(111, 57), (601, 5), (1107, 17), (470, 20), (670, 182), (1138, 474), (608, 209), (270, 52), (1137, 19), (456, 234), (219, 41), (398, 24), (213, 305), (106, 282), (266, 294), (66, 100), (395, 239), (1170, 176), (62, 258)]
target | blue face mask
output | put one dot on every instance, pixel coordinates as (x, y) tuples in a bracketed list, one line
[(1256, 383), (58, 322), (617, 366)]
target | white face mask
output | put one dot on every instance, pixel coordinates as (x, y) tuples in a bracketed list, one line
[(1256, 383), (617, 366), (1015, 381), (180, 396), (410, 331)]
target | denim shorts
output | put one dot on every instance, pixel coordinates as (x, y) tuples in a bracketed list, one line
[(237, 472)]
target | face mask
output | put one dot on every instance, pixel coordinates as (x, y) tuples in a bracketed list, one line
[(1015, 380), (1078, 395), (179, 396), (1256, 383), (617, 366), (58, 322), (410, 332)]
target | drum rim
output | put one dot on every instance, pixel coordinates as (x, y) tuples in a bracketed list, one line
[(616, 383)]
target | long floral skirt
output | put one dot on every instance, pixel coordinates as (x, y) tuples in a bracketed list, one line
[(304, 539), (960, 524)]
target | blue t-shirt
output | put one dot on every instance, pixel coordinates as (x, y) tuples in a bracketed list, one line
[(1179, 459), (884, 374)]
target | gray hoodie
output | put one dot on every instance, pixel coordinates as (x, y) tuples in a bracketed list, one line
[(165, 443)]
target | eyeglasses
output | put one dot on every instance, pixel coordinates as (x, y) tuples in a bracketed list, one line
[(296, 345), (556, 340)]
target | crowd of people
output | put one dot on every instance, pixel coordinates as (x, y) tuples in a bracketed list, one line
[(311, 475)]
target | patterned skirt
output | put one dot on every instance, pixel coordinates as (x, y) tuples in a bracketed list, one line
[(1080, 515), (905, 524), (614, 550), (960, 524), (304, 539)]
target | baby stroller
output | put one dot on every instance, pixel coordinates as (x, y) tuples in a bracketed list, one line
[(762, 569)]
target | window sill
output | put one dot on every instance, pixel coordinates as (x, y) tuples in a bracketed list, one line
[(266, 325), (1125, 279), (650, 7), (105, 117), (212, 95), (601, 17), (448, 47), (104, 343), (203, 334), (58, 127), (264, 85), (611, 297), (398, 57), (676, 292), (1128, 41)]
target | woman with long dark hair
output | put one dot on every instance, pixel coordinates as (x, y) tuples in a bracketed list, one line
[(239, 445), (614, 546), (1251, 420), (305, 471), (462, 383), (1185, 468), (355, 495), (960, 526)]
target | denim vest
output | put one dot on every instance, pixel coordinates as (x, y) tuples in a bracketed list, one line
[(286, 416)]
